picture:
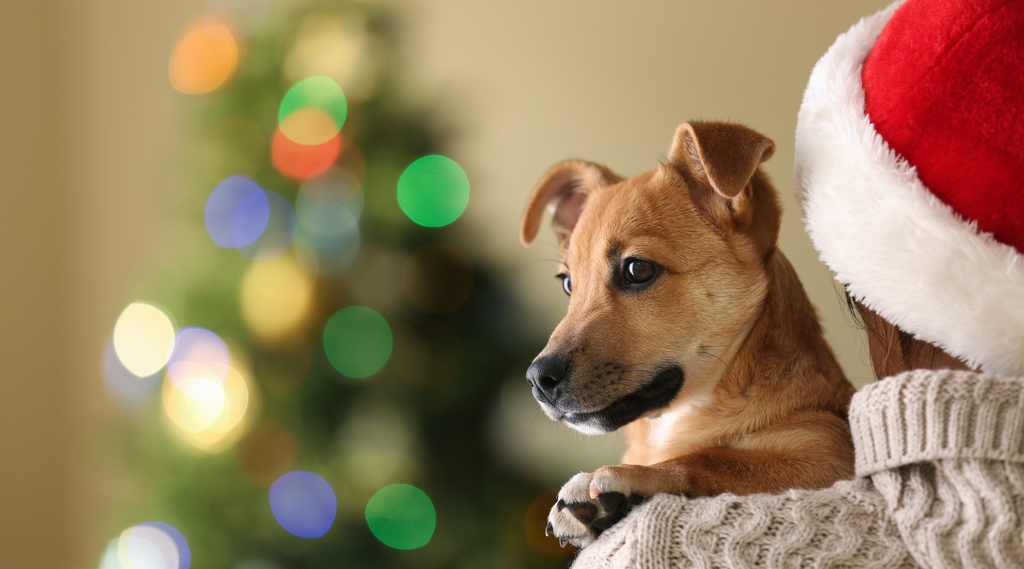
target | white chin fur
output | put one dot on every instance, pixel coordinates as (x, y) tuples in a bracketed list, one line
[(589, 428)]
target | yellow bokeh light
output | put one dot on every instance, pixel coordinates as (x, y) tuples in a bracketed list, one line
[(309, 126), (193, 403), (143, 337), (275, 297), (338, 46), (207, 415), (201, 60)]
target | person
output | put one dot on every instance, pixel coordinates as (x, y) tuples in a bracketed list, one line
[(910, 172)]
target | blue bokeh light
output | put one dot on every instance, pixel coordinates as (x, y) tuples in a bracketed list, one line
[(328, 212), (237, 212), (303, 503)]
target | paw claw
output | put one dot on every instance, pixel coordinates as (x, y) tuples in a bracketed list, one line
[(560, 505), (550, 529), (562, 541)]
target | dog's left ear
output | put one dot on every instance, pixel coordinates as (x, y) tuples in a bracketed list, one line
[(720, 161), (563, 190)]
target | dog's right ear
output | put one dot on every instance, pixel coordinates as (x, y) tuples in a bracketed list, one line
[(721, 160), (563, 190)]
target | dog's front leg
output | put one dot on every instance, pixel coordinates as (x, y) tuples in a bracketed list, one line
[(592, 502)]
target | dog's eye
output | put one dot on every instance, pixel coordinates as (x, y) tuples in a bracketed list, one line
[(639, 271), (566, 283)]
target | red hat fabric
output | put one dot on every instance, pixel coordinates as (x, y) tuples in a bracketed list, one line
[(910, 171), (944, 86)]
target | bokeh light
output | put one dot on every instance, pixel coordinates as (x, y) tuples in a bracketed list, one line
[(235, 145), (279, 233), (244, 17), (198, 354), (237, 212), (319, 93), (275, 297), (122, 385), (266, 453), (303, 503), (194, 403), (401, 516), (428, 354), (300, 161), (337, 46), (149, 545), (537, 519), (437, 278), (433, 191), (143, 336), (357, 341), (309, 126), (202, 59), (328, 209), (283, 364), (207, 415)]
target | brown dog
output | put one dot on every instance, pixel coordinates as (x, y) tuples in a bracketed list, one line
[(687, 324)]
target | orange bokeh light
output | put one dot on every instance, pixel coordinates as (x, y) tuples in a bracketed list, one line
[(300, 161), (202, 61)]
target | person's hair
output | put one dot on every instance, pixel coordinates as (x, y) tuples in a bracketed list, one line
[(893, 350)]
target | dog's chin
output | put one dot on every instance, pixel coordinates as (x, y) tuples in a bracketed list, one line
[(657, 394)]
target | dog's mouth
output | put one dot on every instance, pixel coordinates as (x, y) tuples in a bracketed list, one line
[(655, 395)]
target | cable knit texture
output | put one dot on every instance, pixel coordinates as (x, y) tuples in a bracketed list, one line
[(942, 465)]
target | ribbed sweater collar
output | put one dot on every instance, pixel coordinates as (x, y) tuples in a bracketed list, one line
[(925, 415)]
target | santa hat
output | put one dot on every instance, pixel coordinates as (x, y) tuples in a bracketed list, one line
[(910, 172)]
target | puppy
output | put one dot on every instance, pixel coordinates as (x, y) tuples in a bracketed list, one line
[(687, 325)]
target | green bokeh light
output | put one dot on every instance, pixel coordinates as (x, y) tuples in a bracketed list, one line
[(357, 341), (401, 516), (320, 92), (433, 191)]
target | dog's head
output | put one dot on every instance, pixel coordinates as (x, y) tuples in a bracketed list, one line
[(665, 272)]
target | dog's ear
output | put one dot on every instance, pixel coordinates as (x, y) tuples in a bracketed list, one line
[(563, 190), (720, 163)]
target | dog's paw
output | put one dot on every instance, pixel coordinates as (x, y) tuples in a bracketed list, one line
[(588, 504)]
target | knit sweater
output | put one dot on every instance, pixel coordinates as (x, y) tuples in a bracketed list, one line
[(940, 461)]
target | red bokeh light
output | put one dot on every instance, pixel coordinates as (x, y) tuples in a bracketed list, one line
[(299, 161)]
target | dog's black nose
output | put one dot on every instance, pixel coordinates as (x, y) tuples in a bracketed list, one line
[(546, 374)]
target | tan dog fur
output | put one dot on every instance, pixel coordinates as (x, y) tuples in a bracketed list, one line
[(763, 400)]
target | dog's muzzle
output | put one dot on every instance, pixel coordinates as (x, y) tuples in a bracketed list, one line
[(547, 376)]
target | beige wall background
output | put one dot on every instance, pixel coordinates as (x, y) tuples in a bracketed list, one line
[(92, 134)]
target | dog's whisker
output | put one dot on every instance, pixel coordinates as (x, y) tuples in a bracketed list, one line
[(706, 353)]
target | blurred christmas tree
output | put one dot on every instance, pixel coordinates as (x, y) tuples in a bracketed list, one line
[(330, 380)]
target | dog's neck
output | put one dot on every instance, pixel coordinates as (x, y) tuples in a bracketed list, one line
[(750, 392)]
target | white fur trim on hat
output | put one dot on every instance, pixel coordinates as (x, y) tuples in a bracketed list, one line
[(897, 248)]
